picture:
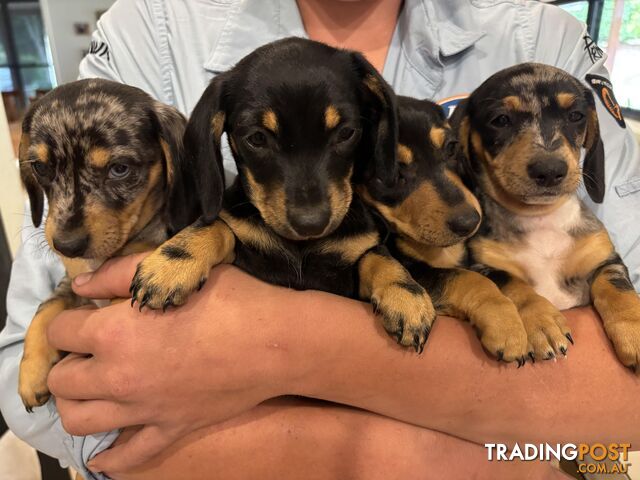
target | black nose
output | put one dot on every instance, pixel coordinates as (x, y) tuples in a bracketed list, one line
[(464, 224), (548, 172), (71, 247), (309, 221)]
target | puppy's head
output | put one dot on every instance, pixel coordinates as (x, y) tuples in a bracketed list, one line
[(107, 157), (303, 120), (523, 131), (430, 203)]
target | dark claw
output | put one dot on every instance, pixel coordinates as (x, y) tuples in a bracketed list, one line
[(167, 303), (569, 337), (421, 348), (563, 351), (133, 301), (29, 409), (374, 304), (550, 355), (500, 355), (521, 361), (532, 357), (416, 342), (144, 301), (201, 283)]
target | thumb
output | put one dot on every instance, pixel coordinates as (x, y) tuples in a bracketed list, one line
[(111, 280), (137, 450)]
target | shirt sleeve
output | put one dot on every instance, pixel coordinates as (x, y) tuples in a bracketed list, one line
[(126, 45), (564, 42)]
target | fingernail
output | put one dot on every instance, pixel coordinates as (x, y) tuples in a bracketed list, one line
[(82, 279)]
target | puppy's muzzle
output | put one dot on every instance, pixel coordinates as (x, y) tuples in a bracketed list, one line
[(309, 221), (72, 246), (465, 223), (547, 171)]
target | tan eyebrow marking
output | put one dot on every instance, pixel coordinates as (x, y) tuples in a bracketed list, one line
[(565, 99), (270, 121), (42, 152), (437, 136), (99, 157), (405, 155), (513, 102), (331, 117)]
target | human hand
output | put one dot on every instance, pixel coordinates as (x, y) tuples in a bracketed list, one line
[(171, 373)]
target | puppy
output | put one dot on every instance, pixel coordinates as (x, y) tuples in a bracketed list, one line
[(106, 157), (431, 213), (304, 122), (523, 131)]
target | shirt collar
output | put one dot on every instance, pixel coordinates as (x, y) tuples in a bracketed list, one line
[(425, 38)]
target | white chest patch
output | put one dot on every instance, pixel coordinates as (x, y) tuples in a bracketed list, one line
[(547, 244)]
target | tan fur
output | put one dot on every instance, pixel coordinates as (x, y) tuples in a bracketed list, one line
[(587, 253), (437, 136), (42, 152), (161, 277), (402, 311), (405, 155), (374, 86), (168, 160), (350, 248), (249, 234), (500, 255), (331, 117), (474, 297), (565, 99), (439, 257), (99, 157), (217, 126), (513, 102), (270, 121)]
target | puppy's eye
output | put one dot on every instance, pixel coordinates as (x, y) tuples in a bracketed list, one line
[(41, 169), (501, 121), (451, 148), (118, 171), (345, 134), (257, 140), (575, 116)]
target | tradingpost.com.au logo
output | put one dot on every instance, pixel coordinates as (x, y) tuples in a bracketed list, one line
[(617, 453)]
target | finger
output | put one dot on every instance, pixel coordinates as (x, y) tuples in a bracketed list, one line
[(139, 449), (88, 417), (111, 280), (71, 330), (77, 378)]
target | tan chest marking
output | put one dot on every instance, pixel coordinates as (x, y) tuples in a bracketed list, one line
[(439, 257), (350, 248)]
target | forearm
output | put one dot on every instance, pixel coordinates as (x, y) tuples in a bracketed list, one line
[(291, 439), (340, 353)]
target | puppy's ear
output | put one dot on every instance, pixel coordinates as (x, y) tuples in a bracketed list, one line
[(382, 115), (202, 148), (31, 185), (461, 124), (182, 204), (593, 165)]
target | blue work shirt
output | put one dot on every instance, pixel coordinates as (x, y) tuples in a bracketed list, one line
[(440, 49)]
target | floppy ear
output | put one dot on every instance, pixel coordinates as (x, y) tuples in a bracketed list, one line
[(593, 165), (202, 148), (31, 185), (461, 124), (383, 115), (182, 206)]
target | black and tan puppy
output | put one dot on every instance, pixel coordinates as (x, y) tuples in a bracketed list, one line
[(304, 121), (106, 156), (431, 213), (523, 131)]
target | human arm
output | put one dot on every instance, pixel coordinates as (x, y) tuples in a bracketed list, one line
[(272, 341)]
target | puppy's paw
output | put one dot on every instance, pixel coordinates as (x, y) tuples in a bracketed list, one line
[(164, 279), (624, 332), (406, 311), (32, 383), (502, 332), (546, 328)]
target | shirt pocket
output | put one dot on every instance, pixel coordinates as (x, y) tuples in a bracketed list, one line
[(628, 188)]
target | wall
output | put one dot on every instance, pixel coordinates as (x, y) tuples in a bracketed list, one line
[(66, 47)]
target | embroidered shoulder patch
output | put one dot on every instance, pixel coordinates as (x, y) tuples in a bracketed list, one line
[(603, 88)]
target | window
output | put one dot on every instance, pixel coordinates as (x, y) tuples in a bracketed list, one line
[(25, 60), (615, 25)]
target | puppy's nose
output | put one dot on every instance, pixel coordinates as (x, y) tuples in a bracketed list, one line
[(548, 172), (464, 224), (71, 247), (309, 221)]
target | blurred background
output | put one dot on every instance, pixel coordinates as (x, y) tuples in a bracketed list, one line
[(41, 45)]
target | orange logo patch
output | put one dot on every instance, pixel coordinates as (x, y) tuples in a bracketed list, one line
[(603, 88)]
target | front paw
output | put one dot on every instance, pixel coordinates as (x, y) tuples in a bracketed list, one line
[(164, 279), (407, 313), (32, 382), (502, 332), (624, 333), (546, 328)]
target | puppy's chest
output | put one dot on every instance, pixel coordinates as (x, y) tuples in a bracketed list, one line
[(544, 251)]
